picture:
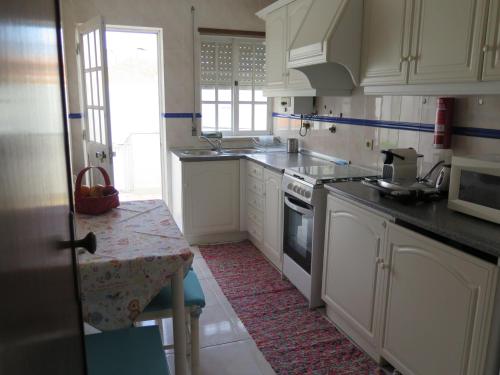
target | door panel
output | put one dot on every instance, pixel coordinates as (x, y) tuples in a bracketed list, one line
[(40, 321), (386, 41), (275, 48), (431, 285), (491, 65), (95, 95), (446, 41), (354, 242), (273, 230)]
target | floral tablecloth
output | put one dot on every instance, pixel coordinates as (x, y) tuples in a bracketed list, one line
[(139, 248)]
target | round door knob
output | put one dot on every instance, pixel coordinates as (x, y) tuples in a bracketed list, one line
[(307, 194)]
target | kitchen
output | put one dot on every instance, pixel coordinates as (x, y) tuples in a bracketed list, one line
[(333, 168)]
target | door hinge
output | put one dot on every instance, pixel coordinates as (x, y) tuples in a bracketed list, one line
[(84, 134), (77, 48)]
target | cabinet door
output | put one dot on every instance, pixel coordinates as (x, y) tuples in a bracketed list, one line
[(491, 50), (275, 48), (386, 41), (446, 41), (353, 244), (273, 217), (211, 198), (295, 15), (438, 306)]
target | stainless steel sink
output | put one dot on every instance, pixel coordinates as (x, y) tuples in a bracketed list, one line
[(201, 152), (237, 151)]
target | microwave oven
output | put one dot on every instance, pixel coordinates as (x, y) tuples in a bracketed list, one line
[(475, 186)]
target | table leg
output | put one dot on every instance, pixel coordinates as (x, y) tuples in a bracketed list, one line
[(179, 322)]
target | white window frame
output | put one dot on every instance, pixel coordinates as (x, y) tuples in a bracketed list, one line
[(235, 131)]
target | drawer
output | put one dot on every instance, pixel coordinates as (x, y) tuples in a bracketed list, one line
[(255, 200), (255, 185), (255, 230), (255, 170), (255, 215)]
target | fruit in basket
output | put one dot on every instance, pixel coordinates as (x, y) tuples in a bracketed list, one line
[(84, 191), (96, 191), (109, 190)]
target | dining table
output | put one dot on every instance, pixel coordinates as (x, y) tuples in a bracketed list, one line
[(140, 250)]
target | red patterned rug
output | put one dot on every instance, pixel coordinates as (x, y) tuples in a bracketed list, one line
[(294, 339)]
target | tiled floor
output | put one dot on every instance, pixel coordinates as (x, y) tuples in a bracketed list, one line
[(226, 346)]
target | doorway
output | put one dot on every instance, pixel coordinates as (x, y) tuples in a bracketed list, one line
[(134, 57)]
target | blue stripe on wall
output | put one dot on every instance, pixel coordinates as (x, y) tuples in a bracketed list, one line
[(74, 115), (414, 126), (180, 115)]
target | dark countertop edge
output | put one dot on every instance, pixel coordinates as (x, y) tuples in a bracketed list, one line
[(190, 158), (483, 250)]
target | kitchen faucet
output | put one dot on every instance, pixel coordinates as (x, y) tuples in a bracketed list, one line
[(216, 143)]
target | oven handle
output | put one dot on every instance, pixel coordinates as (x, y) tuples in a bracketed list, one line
[(295, 207)]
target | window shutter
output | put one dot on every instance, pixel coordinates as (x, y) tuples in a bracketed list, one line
[(251, 64), (216, 63)]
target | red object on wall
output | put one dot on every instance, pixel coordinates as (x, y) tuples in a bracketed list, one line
[(443, 126)]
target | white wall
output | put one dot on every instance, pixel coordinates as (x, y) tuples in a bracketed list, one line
[(174, 17), (349, 141)]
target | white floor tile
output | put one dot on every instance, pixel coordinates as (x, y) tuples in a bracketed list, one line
[(237, 358), (201, 268)]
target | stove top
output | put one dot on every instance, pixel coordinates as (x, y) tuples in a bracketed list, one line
[(330, 173)]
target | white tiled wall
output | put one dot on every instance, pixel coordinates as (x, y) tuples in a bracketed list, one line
[(349, 140)]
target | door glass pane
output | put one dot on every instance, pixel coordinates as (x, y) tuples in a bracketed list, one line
[(260, 122), (92, 49), (88, 88), (208, 116), (90, 122), (297, 238), (97, 126), (98, 47), (245, 116), (95, 96), (225, 116), (259, 97), (103, 127), (224, 95), (85, 51), (245, 95), (99, 86), (208, 94)]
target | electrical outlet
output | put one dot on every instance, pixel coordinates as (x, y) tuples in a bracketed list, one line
[(369, 144)]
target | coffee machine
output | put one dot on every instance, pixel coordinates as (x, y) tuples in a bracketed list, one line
[(400, 165)]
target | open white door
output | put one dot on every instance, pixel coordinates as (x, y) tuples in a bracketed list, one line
[(95, 94)]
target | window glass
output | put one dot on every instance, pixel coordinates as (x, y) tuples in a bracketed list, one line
[(208, 116), (245, 116), (225, 94), (260, 122), (259, 97), (208, 94), (245, 94), (224, 116)]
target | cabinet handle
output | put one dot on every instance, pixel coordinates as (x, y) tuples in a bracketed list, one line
[(412, 58), (384, 266), (488, 48), (379, 260), (403, 59), (384, 224)]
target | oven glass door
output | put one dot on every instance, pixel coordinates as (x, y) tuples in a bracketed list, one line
[(298, 231)]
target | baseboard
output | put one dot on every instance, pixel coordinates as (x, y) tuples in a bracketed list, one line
[(208, 239), (360, 341)]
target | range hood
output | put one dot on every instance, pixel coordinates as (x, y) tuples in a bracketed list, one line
[(327, 45)]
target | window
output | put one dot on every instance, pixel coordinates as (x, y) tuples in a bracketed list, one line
[(232, 78)]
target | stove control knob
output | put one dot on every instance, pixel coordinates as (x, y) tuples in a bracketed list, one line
[(302, 192), (296, 189), (307, 194), (290, 186)]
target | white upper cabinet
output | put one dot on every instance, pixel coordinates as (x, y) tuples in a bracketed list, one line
[(491, 49), (438, 306), (386, 41), (275, 49), (446, 42), (296, 13)]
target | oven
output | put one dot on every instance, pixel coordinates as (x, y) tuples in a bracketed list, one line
[(298, 231), (304, 206)]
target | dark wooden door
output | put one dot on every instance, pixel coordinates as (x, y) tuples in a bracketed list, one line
[(40, 320)]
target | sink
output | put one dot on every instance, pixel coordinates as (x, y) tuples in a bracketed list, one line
[(236, 151), (201, 152)]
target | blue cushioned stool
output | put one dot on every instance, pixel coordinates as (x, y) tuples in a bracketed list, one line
[(128, 351), (194, 301)]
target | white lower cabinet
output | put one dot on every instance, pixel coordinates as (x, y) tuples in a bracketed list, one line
[(206, 200), (421, 305), (354, 243), (439, 305), (264, 211)]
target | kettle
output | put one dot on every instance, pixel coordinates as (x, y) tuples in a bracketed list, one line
[(442, 181)]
